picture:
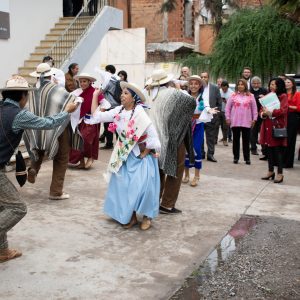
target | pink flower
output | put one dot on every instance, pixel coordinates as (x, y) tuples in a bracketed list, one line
[(130, 123), (112, 127), (135, 138), (117, 117)]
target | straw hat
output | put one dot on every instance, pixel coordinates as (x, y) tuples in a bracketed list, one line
[(196, 77), (134, 88), (85, 76), (159, 77), (43, 69), (17, 83)]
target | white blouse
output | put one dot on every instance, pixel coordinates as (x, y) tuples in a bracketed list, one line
[(152, 140)]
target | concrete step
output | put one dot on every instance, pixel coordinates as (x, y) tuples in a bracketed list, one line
[(32, 63), (50, 42), (41, 49), (70, 31)]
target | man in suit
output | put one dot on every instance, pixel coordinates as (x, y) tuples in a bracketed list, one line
[(212, 92), (247, 73)]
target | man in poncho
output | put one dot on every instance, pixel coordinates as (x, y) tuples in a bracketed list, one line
[(171, 111), (49, 99)]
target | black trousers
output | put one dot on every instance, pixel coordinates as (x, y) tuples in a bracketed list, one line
[(210, 136), (275, 156), (292, 130), (254, 134), (236, 132), (108, 135), (67, 8)]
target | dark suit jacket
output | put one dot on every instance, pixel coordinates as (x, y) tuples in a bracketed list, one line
[(215, 99)]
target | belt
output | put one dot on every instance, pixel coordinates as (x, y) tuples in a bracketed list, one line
[(196, 116)]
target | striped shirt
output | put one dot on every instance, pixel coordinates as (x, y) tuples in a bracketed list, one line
[(27, 120)]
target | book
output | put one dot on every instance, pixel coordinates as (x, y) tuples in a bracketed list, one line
[(270, 102)]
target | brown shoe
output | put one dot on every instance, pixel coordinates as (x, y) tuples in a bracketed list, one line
[(31, 175), (225, 143), (146, 223), (194, 182), (89, 163), (7, 254), (132, 222)]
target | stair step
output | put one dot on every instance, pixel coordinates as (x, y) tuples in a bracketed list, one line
[(41, 49)]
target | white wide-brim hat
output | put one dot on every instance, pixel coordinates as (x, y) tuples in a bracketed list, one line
[(85, 76), (159, 77), (196, 77), (134, 88), (17, 83), (42, 69)]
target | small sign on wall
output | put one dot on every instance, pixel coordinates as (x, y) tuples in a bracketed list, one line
[(4, 25)]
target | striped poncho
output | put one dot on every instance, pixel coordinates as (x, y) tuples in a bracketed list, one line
[(171, 113), (48, 100)]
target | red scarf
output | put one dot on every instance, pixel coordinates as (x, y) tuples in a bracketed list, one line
[(87, 95)]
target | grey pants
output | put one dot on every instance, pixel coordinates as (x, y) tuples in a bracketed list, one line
[(12, 208)]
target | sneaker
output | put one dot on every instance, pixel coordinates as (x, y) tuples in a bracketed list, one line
[(63, 196), (173, 210)]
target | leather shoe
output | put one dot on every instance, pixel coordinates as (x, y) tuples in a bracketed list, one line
[(106, 147), (211, 158), (132, 222), (254, 152), (264, 158), (248, 162), (146, 223)]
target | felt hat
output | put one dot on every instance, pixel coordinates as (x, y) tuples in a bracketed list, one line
[(17, 83), (159, 77), (85, 76), (133, 87), (42, 69)]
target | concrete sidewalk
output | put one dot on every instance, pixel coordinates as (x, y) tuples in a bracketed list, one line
[(71, 250)]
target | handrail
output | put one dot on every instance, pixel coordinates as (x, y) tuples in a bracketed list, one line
[(73, 33)]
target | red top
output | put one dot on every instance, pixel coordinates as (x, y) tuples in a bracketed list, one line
[(87, 95), (294, 101), (280, 121)]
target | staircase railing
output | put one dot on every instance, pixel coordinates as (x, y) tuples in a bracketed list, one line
[(73, 33)]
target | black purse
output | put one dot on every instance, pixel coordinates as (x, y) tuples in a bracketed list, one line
[(21, 173), (279, 133)]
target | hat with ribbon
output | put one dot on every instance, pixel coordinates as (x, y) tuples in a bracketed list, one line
[(44, 70), (133, 87), (85, 76), (159, 77)]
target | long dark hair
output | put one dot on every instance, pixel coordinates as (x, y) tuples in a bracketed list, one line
[(294, 87), (71, 66), (280, 85)]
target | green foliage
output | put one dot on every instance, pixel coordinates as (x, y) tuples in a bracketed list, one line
[(260, 39), (291, 8)]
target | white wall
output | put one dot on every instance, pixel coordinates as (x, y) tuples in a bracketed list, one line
[(126, 50), (30, 21)]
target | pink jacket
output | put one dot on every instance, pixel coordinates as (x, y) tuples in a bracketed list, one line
[(241, 110)]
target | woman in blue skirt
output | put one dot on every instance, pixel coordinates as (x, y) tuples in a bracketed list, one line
[(134, 183), (196, 88)]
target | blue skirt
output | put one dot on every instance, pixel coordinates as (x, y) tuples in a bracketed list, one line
[(135, 187)]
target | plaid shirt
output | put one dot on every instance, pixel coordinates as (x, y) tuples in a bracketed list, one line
[(27, 120)]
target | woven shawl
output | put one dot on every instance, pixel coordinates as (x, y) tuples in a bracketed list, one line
[(48, 100), (171, 112)]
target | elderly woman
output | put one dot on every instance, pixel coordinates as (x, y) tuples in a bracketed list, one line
[(89, 133), (241, 114), (276, 118), (134, 183)]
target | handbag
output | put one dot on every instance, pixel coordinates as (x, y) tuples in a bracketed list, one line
[(279, 133), (21, 173)]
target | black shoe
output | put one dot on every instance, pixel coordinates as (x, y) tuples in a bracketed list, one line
[(235, 161), (106, 147), (229, 140), (211, 158), (248, 162), (166, 211), (254, 152), (102, 138), (264, 158)]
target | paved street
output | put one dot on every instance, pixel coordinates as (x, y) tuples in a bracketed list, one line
[(71, 250)]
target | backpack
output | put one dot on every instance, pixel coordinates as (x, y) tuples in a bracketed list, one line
[(118, 90)]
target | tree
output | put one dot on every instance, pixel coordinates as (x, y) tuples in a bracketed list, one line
[(259, 38), (291, 8)]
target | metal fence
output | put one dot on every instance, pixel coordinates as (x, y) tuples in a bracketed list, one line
[(77, 28)]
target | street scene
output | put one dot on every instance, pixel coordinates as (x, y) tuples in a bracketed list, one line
[(150, 150)]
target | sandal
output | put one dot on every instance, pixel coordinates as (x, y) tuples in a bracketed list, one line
[(194, 182), (7, 254), (132, 222), (186, 179)]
